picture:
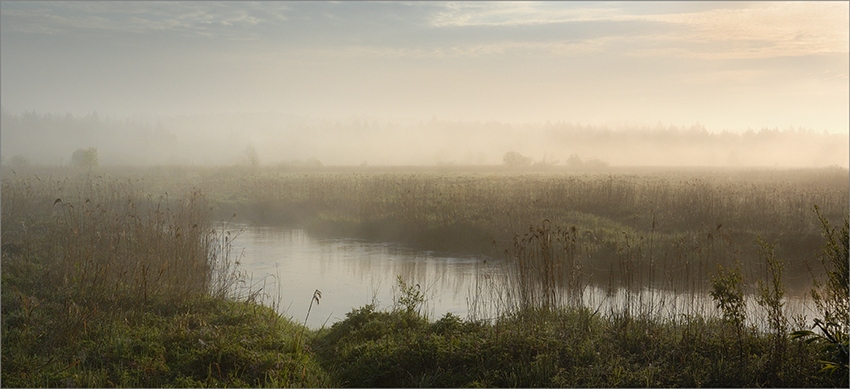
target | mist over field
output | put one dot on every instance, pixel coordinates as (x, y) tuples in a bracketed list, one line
[(424, 194), (426, 83), (223, 139)]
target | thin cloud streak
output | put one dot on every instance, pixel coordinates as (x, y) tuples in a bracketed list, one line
[(200, 18), (762, 30)]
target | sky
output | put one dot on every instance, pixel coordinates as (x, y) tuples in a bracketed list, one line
[(728, 66)]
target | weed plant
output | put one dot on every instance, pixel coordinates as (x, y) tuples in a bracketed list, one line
[(831, 298)]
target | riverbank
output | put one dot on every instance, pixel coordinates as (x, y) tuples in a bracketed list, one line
[(108, 283)]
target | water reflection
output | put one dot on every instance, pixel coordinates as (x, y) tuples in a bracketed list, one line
[(290, 265), (350, 273)]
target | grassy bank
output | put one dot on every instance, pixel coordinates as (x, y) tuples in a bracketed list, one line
[(541, 337), (564, 348), (105, 284)]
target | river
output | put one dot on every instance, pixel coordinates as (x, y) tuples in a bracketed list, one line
[(289, 265)]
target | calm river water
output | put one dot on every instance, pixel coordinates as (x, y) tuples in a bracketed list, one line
[(289, 265), (350, 273)]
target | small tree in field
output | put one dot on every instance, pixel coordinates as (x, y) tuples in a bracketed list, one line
[(251, 157), (85, 158), (512, 158), (574, 161)]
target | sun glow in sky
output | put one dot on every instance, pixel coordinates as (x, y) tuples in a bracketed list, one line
[(725, 65)]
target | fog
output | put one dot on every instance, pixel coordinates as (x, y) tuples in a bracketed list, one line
[(426, 83), (290, 140)]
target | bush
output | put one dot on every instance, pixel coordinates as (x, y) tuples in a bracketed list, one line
[(85, 158), (831, 299), (514, 159)]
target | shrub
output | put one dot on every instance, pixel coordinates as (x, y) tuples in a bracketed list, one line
[(831, 299), (85, 158), (728, 295), (513, 159)]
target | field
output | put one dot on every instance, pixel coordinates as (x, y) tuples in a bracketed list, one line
[(140, 275)]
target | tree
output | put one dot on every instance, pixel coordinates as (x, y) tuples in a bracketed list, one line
[(512, 158), (595, 163), (546, 162), (85, 158), (574, 161), (18, 161), (251, 156)]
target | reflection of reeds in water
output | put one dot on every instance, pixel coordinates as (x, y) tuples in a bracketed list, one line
[(545, 269), (542, 270), (550, 268)]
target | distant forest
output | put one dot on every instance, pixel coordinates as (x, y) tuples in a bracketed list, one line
[(275, 139)]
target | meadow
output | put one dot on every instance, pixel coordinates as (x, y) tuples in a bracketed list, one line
[(124, 277)]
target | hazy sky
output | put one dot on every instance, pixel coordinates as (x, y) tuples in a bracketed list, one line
[(726, 65)]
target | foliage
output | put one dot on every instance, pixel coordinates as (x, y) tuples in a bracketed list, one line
[(18, 161), (831, 297), (515, 159), (85, 158), (832, 301), (574, 161), (770, 297), (409, 297), (728, 295), (561, 348), (251, 157), (595, 163)]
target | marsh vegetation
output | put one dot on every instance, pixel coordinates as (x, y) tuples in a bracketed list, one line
[(126, 277)]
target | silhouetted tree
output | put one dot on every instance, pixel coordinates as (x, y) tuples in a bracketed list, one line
[(251, 156), (512, 158), (546, 162), (18, 161), (595, 163), (85, 158)]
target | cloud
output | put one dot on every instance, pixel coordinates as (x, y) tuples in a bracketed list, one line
[(516, 14), (207, 19), (733, 31), (765, 30)]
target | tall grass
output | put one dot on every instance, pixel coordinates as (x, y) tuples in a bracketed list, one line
[(544, 269), (465, 212), (108, 243), (90, 249), (106, 284)]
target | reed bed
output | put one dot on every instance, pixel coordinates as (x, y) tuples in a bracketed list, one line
[(108, 284), (693, 218), (110, 242)]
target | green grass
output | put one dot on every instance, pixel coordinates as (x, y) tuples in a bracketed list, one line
[(204, 342), (562, 348)]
